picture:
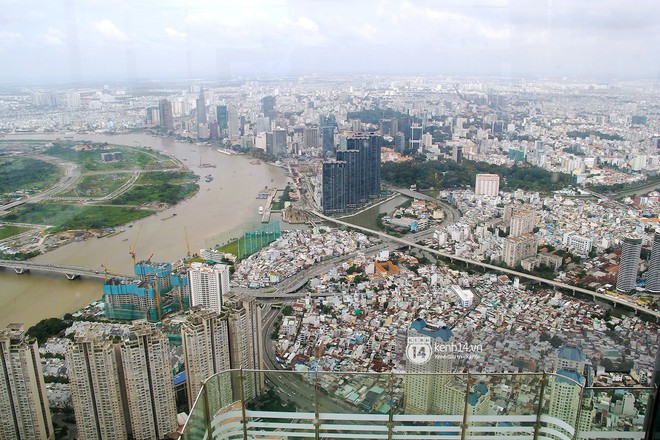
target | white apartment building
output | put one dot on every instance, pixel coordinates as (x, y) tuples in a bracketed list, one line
[(23, 399), (112, 381), (487, 185), (205, 340), (518, 248), (465, 297), (522, 222), (148, 380), (581, 245), (207, 285), (92, 367)]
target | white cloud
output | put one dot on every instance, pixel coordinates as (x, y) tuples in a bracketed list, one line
[(175, 33), (111, 32), (9, 39), (307, 24), (306, 32), (53, 37)]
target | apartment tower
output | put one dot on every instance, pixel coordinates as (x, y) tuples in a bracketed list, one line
[(631, 250), (24, 406)]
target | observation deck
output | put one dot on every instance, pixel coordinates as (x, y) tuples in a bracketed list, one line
[(343, 405)]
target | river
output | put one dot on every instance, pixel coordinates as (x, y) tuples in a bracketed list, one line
[(369, 217), (224, 208)]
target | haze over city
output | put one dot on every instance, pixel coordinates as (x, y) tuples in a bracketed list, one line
[(69, 41), (329, 219)]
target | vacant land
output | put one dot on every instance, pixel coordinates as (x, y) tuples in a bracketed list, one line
[(71, 217), (9, 231), (24, 173), (97, 185), (159, 187), (88, 156)]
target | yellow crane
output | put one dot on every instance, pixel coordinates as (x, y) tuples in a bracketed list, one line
[(185, 231), (131, 249), (108, 271), (158, 300)]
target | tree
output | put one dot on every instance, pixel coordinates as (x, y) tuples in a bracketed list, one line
[(287, 310), (47, 328), (556, 341)]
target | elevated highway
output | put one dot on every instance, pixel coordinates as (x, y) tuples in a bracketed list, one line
[(555, 284)]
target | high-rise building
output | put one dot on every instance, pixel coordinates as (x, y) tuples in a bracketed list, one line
[(233, 124), (24, 405), (270, 143), (214, 342), (245, 351), (399, 142), (328, 125), (205, 340), (566, 389), (457, 153), (148, 383), (334, 186), (262, 125), (487, 185), (208, 284), (627, 277), (360, 179), (311, 137), (416, 132), (435, 390), (93, 370), (653, 274), (522, 222), (385, 127), (201, 108), (222, 117), (166, 115), (518, 248), (268, 105), (153, 116), (328, 140), (124, 389), (279, 142)]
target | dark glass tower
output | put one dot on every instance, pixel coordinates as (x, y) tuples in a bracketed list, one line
[(334, 186), (221, 113), (166, 115), (327, 125), (360, 180)]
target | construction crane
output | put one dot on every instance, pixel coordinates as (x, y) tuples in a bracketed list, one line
[(185, 230), (108, 271), (131, 249), (158, 307)]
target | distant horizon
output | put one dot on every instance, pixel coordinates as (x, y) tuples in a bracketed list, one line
[(75, 42), (214, 82)]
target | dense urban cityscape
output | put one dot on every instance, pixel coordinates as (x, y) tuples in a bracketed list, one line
[(280, 220)]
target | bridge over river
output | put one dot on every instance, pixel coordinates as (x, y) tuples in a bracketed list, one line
[(71, 272)]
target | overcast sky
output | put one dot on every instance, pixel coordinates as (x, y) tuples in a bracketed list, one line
[(72, 40)]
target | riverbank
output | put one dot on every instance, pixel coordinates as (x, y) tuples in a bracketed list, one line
[(226, 206)]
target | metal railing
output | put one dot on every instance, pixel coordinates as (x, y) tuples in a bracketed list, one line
[(258, 404)]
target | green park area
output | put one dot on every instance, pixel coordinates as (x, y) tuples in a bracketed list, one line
[(73, 217), (88, 156), (156, 184), (10, 230), (26, 174), (159, 187), (97, 185), (448, 174)]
